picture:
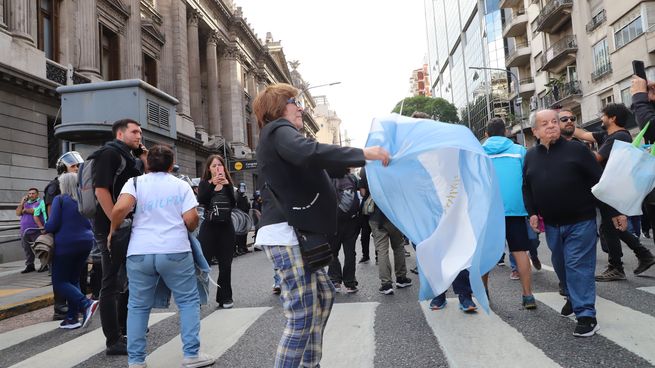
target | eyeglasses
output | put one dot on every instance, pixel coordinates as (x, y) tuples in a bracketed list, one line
[(564, 119), (294, 101)]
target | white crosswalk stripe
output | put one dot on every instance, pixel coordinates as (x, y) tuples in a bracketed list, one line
[(474, 340), (628, 328), (17, 336), (648, 289), (218, 332), (349, 339), (77, 350)]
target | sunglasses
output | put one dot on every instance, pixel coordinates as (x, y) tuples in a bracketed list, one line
[(564, 119), (294, 101)]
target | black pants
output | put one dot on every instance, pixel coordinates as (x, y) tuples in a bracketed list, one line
[(365, 238), (613, 238), (218, 240), (95, 279), (241, 242), (347, 231), (113, 295)]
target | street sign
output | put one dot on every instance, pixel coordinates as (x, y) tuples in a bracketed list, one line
[(241, 165), (519, 100)]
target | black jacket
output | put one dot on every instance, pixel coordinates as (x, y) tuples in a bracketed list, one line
[(206, 192), (557, 183), (644, 112), (294, 167)]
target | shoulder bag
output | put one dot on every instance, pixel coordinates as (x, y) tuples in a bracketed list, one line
[(120, 238)]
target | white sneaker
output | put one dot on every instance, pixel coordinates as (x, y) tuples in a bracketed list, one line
[(337, 287), (202, 360), (138, 365)]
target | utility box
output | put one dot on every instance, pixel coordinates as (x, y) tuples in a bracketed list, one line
[(88, 110)]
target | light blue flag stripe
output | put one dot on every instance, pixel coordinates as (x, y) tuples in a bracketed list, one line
[(441, 191)]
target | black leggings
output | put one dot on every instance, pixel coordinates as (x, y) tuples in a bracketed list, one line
[(218, 240)]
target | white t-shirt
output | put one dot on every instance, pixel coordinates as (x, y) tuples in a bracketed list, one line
[(276, 234), (158, 227)]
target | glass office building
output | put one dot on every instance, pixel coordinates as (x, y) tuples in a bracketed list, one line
[(463, 34)]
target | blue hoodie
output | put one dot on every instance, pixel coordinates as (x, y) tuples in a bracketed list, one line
[(508, 160)]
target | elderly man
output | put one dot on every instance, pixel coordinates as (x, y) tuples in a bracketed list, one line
[(557, 178)]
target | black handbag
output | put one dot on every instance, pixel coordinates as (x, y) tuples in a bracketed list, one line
[(120, 238), (314, 247)]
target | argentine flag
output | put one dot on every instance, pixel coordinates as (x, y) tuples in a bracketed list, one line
[(441, 191)]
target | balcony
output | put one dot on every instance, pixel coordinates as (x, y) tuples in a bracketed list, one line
[(60, 74), (596, 21), (516, 25), (553, 16), (564, 96), (527, 88), (559, 55), (519, 56), (510, 3), (601, 72)]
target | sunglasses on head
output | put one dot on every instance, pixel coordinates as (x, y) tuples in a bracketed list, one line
[(294, 101), (564, 119)]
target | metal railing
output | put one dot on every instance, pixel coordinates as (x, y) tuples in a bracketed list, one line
[(526, 81), (566, 43), (549, 9), (597, 20), (513, 52), (562, 92), (59, 74), (601, 71), (510, 19)]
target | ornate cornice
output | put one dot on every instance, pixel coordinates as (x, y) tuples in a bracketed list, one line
[(114, 14), (148, 9), (193, 17), (152, 38)]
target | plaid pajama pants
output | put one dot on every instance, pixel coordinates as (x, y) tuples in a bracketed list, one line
[(307, 299)]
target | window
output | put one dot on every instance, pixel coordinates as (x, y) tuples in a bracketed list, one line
[(628, 33), (47, 28), (601, 56), (604, 101), (149, 70), (109, 61), (626, 97)]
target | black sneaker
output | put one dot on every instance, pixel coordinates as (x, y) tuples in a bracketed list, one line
[(70, 324), (386, 289), (364, 260), (644, 264), (403, 282), (567, 309), (28, 269), (414, 270), (611, 274), (587, 326), (536, 263), (119, 348)]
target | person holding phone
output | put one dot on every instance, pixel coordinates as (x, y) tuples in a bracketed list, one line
[(217, 237)]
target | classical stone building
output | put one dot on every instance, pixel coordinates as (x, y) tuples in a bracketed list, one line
[(188, 70), (329, 124)]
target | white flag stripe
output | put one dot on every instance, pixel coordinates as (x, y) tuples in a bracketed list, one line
[(475, 340), (349, 338), (628, 328), (648, 289), (218, 332), (77, 350), (17, 336)]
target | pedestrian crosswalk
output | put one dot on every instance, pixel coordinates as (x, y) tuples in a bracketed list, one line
[(353, 337)]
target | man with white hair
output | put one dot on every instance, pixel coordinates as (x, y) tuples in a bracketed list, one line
[(557, 178)]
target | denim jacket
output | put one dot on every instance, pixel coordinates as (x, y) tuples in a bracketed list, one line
[(163, 293)]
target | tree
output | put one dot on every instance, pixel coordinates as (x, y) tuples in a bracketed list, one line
[(439, 108)]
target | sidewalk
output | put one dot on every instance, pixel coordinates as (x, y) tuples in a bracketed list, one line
[(22, 293)]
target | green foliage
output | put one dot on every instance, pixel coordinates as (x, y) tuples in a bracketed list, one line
[(439, 108)]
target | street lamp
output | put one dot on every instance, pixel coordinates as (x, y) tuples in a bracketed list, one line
[(518, 94)]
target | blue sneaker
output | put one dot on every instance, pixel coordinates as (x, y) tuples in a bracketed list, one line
[(438, 302), (466, 304), (529, 302)]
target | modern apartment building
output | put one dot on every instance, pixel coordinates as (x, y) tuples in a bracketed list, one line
[(462, 34), (576, 54)]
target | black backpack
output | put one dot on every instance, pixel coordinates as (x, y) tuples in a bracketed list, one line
[(347, 199)]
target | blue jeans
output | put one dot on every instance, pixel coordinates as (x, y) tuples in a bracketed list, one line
[(461, 285), (178, 272), (573, 250), (66, 281)]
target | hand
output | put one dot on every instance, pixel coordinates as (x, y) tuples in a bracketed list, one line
[(144, 155), (215, 180), (639, 85), (620, 222), (377, 153), (534, 223), (109, 241)]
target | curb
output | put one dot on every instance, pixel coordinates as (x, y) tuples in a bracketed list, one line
[(15, 309)]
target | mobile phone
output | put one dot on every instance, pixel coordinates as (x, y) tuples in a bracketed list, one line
[(139, 151), (639, 69)]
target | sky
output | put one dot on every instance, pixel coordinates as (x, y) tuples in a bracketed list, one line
[(370, 46)]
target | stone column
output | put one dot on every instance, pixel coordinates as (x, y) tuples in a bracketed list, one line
[(232, 113), (20, 22), (213, 99), (180, 55), (195, 92), (3, 21), (166, 65), (67, 32), (88, 38), (132, 50)]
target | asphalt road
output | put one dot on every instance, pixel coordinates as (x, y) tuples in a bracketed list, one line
[(370, 329)]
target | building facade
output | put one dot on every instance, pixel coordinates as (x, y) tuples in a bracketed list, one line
[(329, 123), (419, 82), (463, 34), (201, 57), (577, 55)]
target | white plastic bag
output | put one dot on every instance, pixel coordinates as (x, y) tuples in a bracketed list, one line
[(628, 177)]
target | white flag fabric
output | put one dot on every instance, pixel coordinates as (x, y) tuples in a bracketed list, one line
[(441, 191)]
